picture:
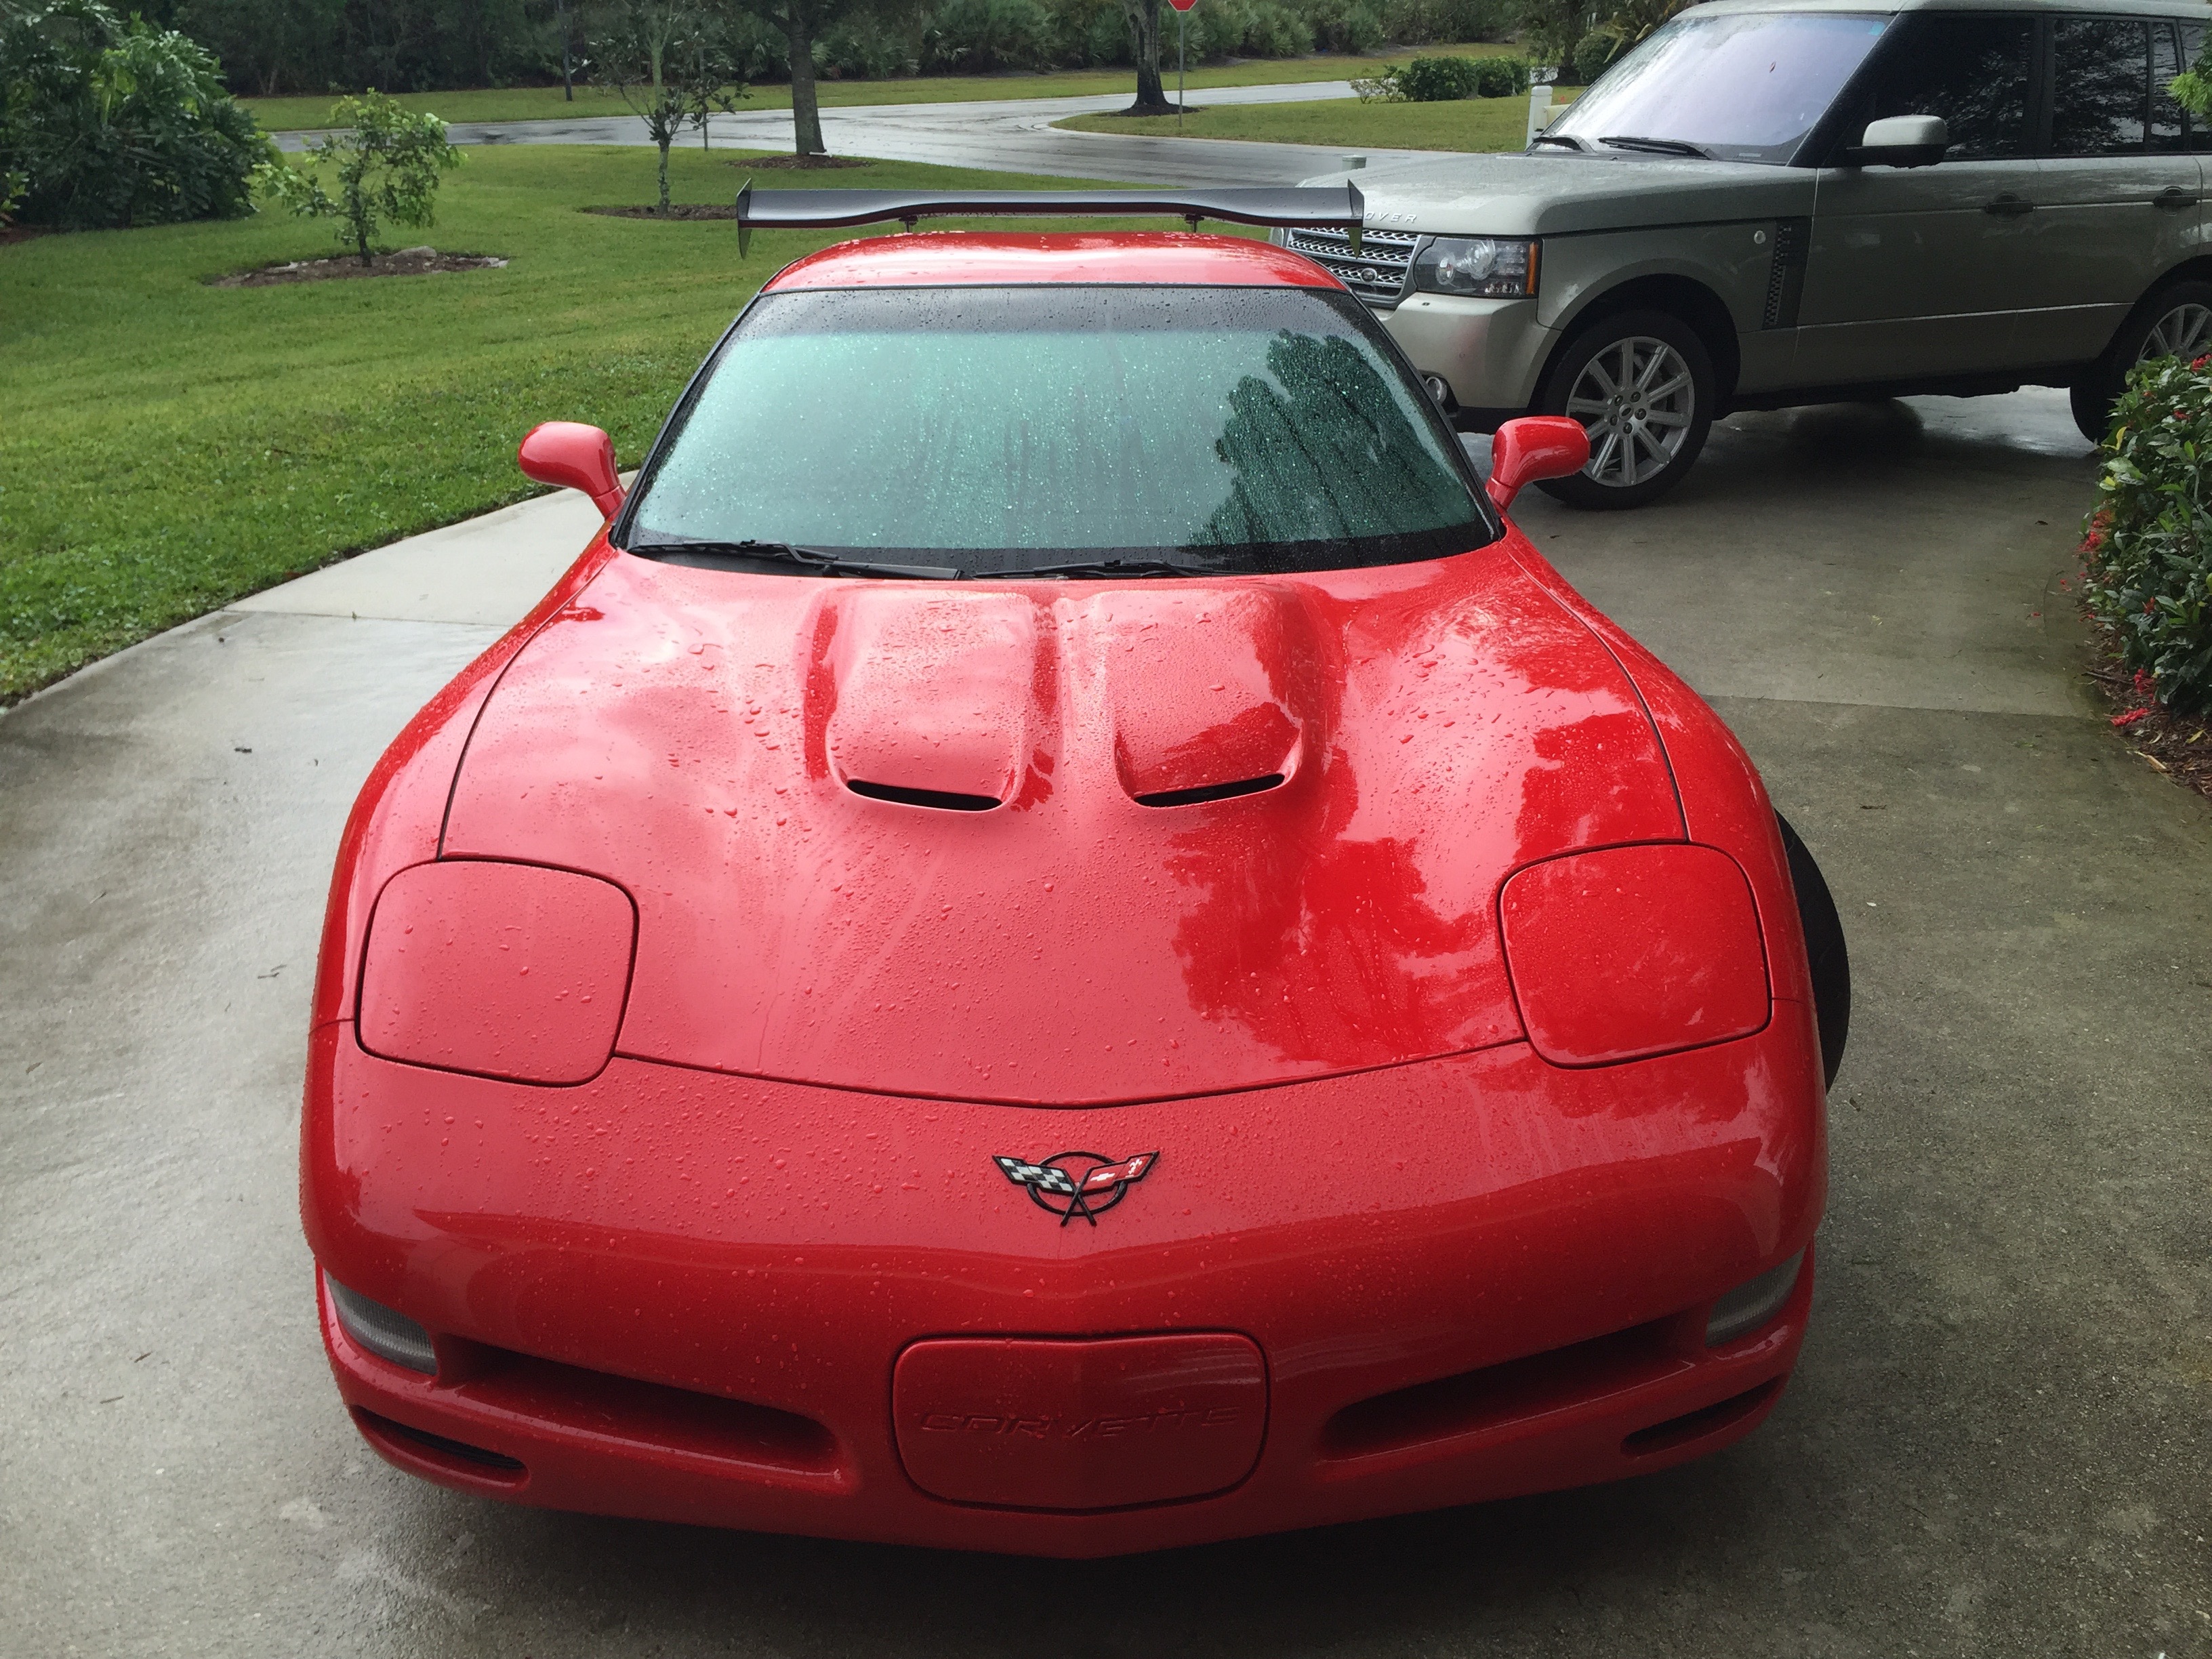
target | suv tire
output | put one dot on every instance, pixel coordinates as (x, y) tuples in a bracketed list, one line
[(2176, 319), (1645, 434)]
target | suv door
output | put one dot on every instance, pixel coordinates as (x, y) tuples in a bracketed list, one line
[(1925, 270), (2118, 202)]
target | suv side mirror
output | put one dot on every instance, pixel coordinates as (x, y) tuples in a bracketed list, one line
[(1535, 447), (573, 456), (1899, 141)]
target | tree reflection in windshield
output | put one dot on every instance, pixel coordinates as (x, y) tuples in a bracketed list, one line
[(1747, 88)]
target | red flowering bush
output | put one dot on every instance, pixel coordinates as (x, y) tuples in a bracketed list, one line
[(2147, 554)]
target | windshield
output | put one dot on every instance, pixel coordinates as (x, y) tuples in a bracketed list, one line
[(996, 430), (1743, 88)]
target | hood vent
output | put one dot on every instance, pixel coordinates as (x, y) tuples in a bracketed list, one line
[(1204, 793), (941, 800)]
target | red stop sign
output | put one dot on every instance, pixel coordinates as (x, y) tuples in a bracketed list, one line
[(1182, 5)]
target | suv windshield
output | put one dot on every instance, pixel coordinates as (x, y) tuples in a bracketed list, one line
[(991, 431), (1746, 86)]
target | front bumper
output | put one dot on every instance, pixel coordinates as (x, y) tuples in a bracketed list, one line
[(1488, 352), (683, 1296)]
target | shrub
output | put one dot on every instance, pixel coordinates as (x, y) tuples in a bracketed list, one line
[(862, 49), (2148, 553), (1343, 26), (1421, 22), (112, 124), (388, 161), (1595, 53), (976, 36), (1499, 77), (1441, 80), (1434, 80)]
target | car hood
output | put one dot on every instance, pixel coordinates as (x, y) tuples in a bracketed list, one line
[(1555, 193), (697, 736)]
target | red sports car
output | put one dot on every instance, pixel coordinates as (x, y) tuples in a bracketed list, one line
[(1061, 940)]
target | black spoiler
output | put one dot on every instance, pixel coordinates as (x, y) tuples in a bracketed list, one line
[(1340, 208)]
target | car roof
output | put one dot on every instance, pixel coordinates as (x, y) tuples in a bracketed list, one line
[(2184, 9), (990, 259)]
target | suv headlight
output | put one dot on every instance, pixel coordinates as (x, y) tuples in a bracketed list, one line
[(1490, 267)]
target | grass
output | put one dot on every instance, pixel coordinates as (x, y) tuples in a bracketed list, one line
[(546, 103), (1471, 124), (171, 446)]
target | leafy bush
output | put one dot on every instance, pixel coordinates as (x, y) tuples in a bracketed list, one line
[(862, 49), (1420, 22), (1595, 53), (1437, 80), (1442, 80), (2147, 554), (1343, 26), (112, 124), (388, 159), (976, 36)]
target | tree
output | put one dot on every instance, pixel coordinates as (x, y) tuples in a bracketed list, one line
[(1143, 17), (670, 61), (111, 123), (388, 163), (803, 22)]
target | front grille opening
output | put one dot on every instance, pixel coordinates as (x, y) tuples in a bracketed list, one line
[(1212, 792), (1696, 1425), (940, 800), (1475, 1402), (472, 1461), (1376, 272), (648, 1415)]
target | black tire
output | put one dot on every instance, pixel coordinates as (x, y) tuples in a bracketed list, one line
[(1630, 470), (1825, 952), (2177, 316)]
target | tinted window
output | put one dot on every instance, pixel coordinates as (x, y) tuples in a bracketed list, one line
[(1971, 71), (2101, 86), (1745, 88), (2192, 44), (2166, 116), (1002, 429)]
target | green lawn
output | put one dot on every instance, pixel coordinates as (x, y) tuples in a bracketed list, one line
[(546, 103), (170, 446), (1475, 124)]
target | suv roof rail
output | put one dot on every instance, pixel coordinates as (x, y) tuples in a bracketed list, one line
[(1338, 207)]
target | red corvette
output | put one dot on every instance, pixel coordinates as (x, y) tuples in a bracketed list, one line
[(1060, 940)]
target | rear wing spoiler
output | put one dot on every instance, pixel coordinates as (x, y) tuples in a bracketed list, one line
[(1339, 208)]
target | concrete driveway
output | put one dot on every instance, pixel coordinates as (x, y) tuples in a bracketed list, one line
[(1997, 1442), (1012, 134)]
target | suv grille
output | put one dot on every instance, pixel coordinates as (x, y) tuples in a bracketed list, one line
[(1377, 272)]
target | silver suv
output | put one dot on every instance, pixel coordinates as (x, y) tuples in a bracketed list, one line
[(1768, 204)]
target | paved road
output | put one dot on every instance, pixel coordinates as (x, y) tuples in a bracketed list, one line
[(1014, 135), (1998, 1442)]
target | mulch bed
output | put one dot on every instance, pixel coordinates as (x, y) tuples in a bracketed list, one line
[(678, 211), (2179, 746), (22, 233), (408, 262)]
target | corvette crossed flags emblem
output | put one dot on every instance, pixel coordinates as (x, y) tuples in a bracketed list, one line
[(1071, 1184)]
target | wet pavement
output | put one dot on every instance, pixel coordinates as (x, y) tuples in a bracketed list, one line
[(1996, 1443), (1011, 135)]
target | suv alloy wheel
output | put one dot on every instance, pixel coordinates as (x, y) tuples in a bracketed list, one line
[(1642, 381)]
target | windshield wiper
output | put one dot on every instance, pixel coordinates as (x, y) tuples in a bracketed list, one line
[(1559, 138), (1658, 146), (810, 558), (1103, 567)]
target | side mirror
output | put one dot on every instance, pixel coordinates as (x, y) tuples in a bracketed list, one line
[(573, 456), (1537, 446), (1899, 141)]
